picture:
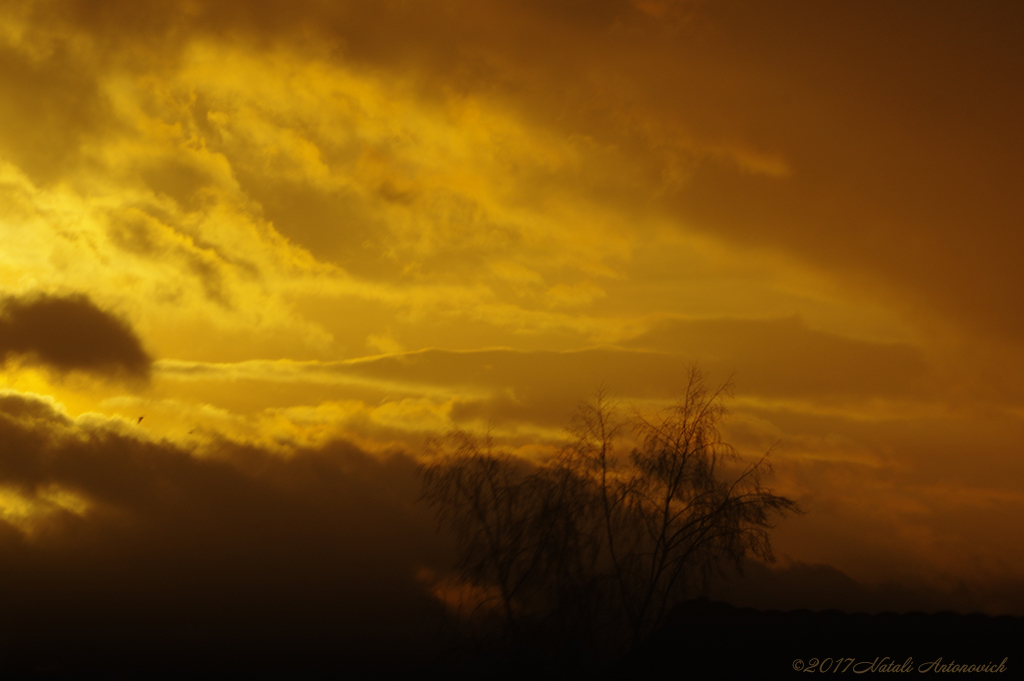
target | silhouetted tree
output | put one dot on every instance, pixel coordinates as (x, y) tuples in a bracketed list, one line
[(593, 548)]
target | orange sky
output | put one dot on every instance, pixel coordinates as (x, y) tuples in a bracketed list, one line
[(346, 227)]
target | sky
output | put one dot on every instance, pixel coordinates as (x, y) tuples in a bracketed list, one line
[(256, 255)]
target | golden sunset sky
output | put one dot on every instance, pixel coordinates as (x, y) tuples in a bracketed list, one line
[(299, 239)]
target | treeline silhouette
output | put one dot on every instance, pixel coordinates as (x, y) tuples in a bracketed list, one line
[(580, 558)]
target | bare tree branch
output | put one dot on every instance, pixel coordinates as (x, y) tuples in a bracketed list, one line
[(590, 548)]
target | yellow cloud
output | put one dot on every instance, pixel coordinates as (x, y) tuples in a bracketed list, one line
[(28, 511)]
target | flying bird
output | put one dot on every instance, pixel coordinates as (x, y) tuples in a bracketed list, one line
[(140, 419)]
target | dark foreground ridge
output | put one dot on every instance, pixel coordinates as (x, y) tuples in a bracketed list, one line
[(702, 640), (710, 640)]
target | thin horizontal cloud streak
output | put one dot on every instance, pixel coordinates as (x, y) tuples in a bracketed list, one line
[(770, 358)]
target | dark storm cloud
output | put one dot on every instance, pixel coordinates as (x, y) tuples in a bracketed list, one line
[(899, 122), (238, 541), (69, 333)]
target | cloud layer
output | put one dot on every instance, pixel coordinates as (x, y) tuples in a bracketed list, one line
[(312, 235), (105, 530)]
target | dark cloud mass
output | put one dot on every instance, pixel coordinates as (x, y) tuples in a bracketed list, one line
[(240, 543), (236, 556), (71, 333)]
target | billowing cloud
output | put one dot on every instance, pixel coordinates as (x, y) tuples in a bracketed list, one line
[(676, 111), (105, 530)]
